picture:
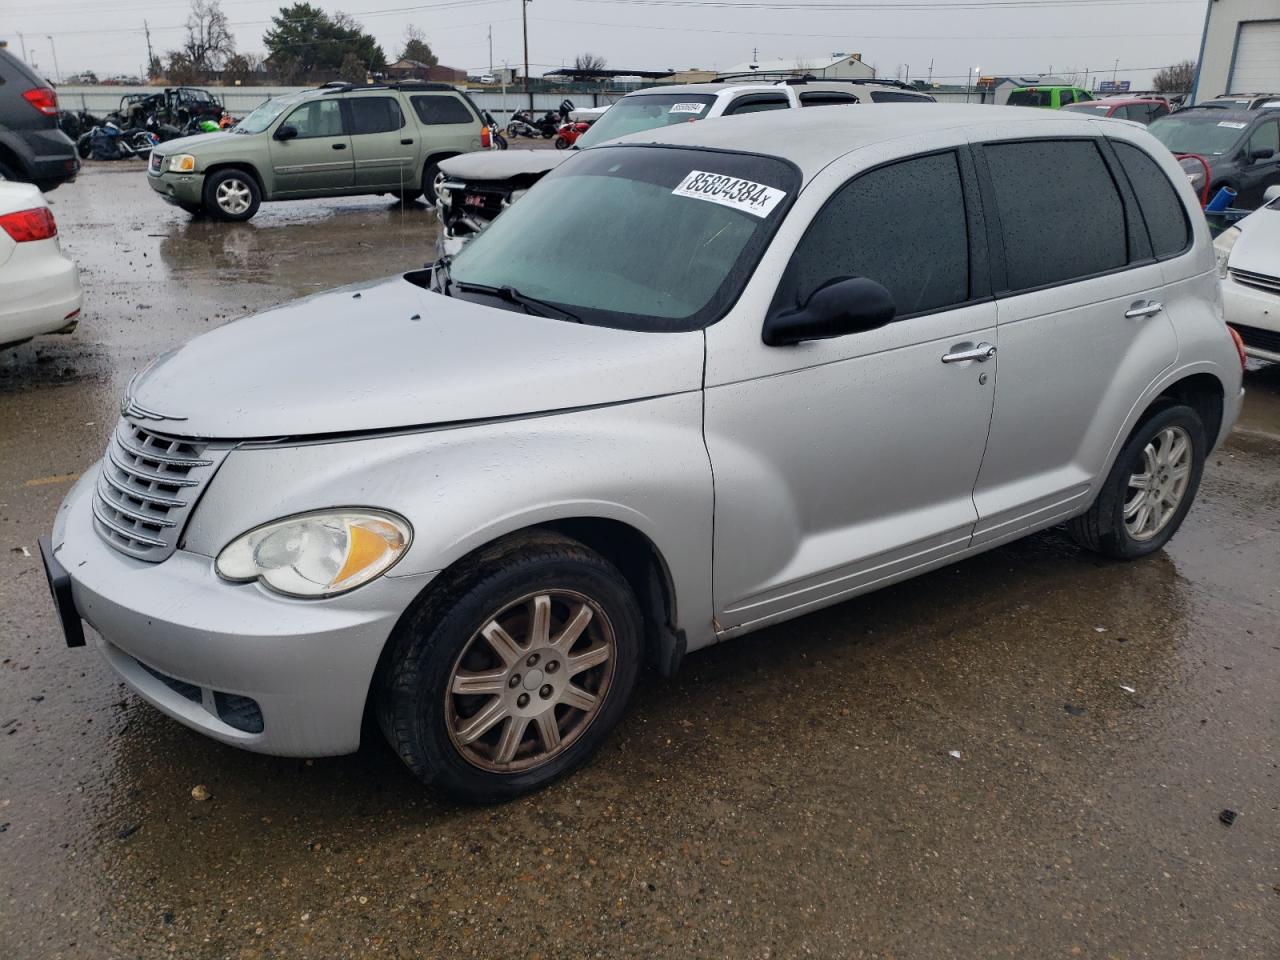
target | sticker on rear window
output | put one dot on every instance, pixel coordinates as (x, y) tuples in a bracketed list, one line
[(756, 199), (1233, 124), (687, 108)]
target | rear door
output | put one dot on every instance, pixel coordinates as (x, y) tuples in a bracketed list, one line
[(383, 144), (1081, 324), (319, 157)]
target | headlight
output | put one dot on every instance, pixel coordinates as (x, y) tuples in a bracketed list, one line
[(182, 163), (1222, 248), (317, 554)]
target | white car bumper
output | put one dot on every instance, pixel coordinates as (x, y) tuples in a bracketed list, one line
[(39, 291), (1254, 310)]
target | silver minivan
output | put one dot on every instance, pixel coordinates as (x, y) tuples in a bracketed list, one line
[(699, 381)]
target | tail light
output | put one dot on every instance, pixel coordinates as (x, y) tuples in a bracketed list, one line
[(486, 141), (1239, 342), (43, 99), (27, 225)]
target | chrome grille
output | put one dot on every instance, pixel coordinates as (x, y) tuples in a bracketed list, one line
[(146, 488), (1260, 280)]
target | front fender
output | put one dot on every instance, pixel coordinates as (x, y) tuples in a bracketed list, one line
[(642, 464)]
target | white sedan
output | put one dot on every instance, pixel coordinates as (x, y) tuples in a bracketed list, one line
[(39, 286), (1249, 265)]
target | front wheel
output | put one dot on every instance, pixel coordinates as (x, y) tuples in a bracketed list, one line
[(513, 131), (512, 674), (1150, 488), (562, 143), (231, 195)]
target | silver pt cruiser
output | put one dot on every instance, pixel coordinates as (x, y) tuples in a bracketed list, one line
[(700, 381)]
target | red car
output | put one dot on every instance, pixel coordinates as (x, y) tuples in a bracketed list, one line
[(1141, 109)]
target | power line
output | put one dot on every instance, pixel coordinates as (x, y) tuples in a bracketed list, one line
[(894, 5)]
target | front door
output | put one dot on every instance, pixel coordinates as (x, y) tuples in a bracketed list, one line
[(1264, 171), (1084, 326), (318, 159), (845, 463), (384, 144)]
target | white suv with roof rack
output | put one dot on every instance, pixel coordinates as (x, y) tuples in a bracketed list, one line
[(474, 188)]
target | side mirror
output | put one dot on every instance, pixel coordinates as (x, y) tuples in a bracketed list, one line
[(1271, 194), (1261, 153), (286, 131), (842, 306)]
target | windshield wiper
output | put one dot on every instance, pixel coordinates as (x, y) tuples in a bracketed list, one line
[(509, 294)]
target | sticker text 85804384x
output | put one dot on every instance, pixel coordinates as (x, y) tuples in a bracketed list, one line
[(756, 199)]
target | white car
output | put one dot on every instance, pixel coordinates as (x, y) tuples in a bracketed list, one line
[(39, 285), (1249, 265)]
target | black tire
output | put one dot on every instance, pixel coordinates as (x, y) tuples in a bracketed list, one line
[(1102, 529), (418, 666), (7, 172), (562, 143), (500, 140), (429, 174), (512, 131), (84, 146), (240, 179)]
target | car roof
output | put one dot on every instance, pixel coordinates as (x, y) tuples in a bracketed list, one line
[(813, 138), (1047, 86), (1215, 113)]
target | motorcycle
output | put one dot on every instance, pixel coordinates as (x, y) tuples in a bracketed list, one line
[(569, 133), (522, 124), (490, 136), (108, 142)]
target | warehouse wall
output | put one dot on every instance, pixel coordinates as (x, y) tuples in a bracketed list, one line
[(1222, 23)]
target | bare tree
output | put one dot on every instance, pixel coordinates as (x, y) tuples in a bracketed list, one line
[(588, 62), (209, 42), (417, 48), (1175, 79)]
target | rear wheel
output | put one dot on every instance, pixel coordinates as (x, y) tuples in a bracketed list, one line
[(1150, 488), (513, 674), (231, 195), (431, 176)]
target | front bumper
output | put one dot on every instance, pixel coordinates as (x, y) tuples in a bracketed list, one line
[(178, 187), (196, 647), (1256, 314)]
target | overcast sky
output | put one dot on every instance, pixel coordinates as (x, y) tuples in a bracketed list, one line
[(1000, 36)]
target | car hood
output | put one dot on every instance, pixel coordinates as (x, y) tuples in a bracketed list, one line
[(1258, 249), (199, 142), (389, 355), (502, 164)]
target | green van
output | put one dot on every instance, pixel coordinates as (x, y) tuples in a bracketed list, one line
[(1051, 98)]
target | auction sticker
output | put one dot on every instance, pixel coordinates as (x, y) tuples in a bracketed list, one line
[(756, 199), (1233, 124), (687, 108)]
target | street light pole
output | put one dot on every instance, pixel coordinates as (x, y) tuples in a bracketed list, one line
[(57, 74), (524, 23)]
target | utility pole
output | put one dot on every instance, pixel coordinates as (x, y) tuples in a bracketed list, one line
[(57, 73), (931, 71), (908, 79), (491, 50), (524, 23), (22, 40), (150, 56), (1114, 69)]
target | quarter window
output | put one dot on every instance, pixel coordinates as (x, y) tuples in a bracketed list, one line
[(757, 104), (1060, 211), (441, 109), (902, 225), (375, 115), (891, 96), (1166, 218), (825, 98), (319, 118)]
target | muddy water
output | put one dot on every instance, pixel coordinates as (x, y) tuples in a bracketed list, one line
[(793, 793)]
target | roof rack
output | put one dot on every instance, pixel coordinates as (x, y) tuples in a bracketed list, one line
[(411, 83), (791, 79)]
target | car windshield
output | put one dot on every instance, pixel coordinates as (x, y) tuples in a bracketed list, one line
[(1211, 136), (645, 112), (640, 238), (264, 115), (1101, 109)]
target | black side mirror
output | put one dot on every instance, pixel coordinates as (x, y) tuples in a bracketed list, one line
[(1261, 153), (286, 131), (841, 306)]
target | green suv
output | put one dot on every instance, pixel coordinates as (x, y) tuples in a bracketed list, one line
[(337, 140), (1051, 98)]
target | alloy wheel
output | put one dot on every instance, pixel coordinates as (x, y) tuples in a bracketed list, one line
[(1156, 491), (530, 681), (233, 196)]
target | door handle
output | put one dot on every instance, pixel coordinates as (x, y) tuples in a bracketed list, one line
[(1143, 308), (339, 146), (961, 352), (405, 143)]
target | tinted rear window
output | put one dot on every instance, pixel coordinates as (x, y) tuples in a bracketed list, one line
[(822, 99), (441, 108), (1031, 98), (1059, 209), (1166, 217), (891, 96), (375, 115)]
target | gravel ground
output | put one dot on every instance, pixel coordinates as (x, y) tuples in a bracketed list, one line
[(1024, 755)]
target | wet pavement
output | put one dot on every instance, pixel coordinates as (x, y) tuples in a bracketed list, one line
[(794, 793)]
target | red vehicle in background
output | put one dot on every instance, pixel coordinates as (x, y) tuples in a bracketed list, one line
[(1140, 109), (568, 134)]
